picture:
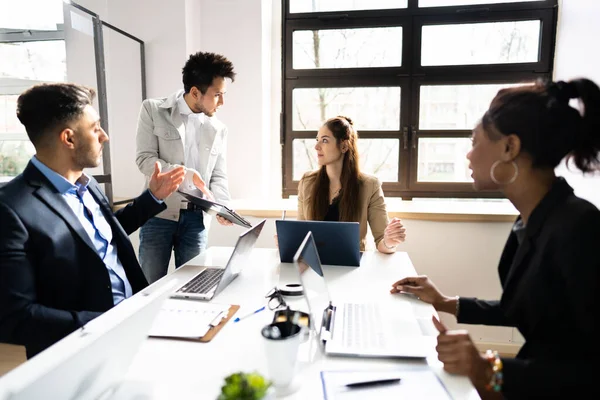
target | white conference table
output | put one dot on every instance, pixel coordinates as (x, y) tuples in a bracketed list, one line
[(177, 369)]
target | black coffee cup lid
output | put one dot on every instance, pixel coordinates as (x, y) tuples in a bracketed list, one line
[(280, 330)]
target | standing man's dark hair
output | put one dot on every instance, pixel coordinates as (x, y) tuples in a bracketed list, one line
[(182, 129), (201, 69), (47, 109)]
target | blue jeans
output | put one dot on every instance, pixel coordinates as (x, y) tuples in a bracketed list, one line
[(159, 236)]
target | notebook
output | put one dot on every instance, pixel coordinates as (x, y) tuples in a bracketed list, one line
[(416, 382), (187, 319)]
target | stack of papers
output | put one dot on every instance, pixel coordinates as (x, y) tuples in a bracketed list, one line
[(187, 318), (416, 382)]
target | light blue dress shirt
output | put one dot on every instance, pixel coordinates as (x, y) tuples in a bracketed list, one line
[(96, 226)]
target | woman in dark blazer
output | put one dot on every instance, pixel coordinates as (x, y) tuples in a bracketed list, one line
[(550, 266)]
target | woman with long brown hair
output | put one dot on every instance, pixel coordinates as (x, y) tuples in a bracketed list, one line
[(339, 191)]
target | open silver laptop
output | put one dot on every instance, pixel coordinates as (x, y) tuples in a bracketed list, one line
[(356, 329), (211, 280), (90, 363)]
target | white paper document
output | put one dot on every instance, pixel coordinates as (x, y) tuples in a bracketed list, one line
[(415, 383), (187, 318)]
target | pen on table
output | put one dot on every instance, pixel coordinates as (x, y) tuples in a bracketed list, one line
[(283, 215), (248, 315), (372, 383)]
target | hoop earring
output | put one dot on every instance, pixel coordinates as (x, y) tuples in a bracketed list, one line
[(496, 181)]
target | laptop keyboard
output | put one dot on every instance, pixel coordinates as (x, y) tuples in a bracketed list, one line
[(204, 281), (363, 326)]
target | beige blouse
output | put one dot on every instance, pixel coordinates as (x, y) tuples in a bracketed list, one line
[(373, 205)]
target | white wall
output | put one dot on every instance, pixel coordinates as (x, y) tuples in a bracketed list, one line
[(576, 56), (161, 25), (240, 30)]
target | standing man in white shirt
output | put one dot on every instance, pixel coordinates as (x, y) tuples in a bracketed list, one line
[(182, 130)]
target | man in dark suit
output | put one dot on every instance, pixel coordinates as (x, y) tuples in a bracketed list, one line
[(65, 258)]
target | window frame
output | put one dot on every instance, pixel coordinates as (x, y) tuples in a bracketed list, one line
[(410, 76), (24, 36)]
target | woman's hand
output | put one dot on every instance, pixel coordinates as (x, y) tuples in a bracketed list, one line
[(460, 356), (426, 291), (394, 233)]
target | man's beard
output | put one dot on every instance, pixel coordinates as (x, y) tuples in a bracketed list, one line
[(85, 157)]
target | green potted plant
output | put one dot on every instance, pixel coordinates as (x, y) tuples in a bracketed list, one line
[(245, 386)]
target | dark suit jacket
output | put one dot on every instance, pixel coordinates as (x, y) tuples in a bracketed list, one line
[(52, 280), (551, 292)]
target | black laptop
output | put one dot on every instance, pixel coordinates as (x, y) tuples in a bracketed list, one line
[(338, 243)]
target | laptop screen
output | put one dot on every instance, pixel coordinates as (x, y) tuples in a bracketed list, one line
[(93, 360), (243, 248), (311, 275), (239, 257), (338, 243)]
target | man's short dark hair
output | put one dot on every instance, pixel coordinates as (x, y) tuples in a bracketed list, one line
[(48, 108), (202, 68)]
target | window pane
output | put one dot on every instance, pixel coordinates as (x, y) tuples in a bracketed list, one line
[(348, 48), (379, 157), (31, 14), (371, 108), (454, 106), (9, 123), (302, 6), (442, 3), (42, 61), (444, 160), (481, 43), (14, 156)]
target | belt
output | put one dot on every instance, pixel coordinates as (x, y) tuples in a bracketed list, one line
[(186, 205)]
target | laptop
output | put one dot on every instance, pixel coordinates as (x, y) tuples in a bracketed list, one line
[(338, 243), (91, 362), (212, 280), (356, 329)]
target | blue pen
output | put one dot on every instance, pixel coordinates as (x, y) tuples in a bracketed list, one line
[(248, 315)]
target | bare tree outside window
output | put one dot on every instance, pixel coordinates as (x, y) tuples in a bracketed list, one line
[(372, 108), (481, 43)]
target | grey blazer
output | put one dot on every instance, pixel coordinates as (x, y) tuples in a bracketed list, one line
[(159, 133)]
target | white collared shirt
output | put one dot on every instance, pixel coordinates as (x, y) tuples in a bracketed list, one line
[(193, 123)]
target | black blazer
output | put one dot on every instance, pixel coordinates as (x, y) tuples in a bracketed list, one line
[(52, 280), (551, 292)]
